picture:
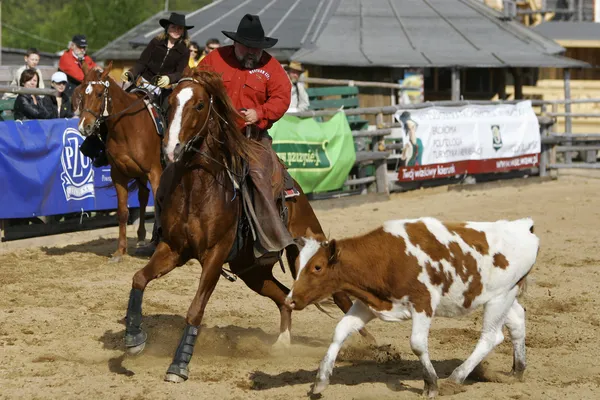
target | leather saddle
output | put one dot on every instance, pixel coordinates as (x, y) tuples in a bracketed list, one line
[(248, 230)]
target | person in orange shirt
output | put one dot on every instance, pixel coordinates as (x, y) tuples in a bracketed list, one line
[(260, 88)]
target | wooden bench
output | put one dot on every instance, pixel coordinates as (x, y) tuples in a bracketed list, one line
[(334, 97), (6, 107)]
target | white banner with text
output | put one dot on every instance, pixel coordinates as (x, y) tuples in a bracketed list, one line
[(440, 142)]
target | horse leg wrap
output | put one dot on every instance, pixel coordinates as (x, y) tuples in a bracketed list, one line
[(184, 352), (134, 335)]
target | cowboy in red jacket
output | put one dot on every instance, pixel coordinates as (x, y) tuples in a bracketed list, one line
[(260, 88)]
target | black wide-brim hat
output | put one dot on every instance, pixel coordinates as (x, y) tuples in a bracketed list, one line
[(175, 19), (250, 33)]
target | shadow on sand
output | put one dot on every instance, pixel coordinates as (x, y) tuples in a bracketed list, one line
[(164, 332), (100, 247)]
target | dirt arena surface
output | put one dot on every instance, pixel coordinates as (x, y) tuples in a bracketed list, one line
[(62, 309)]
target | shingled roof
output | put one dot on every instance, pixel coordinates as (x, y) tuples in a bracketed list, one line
[(393, 33)]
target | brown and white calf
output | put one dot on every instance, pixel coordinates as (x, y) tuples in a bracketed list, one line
[(417, 269)]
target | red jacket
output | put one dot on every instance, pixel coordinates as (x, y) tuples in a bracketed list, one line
[(70, 66), (267, 89)]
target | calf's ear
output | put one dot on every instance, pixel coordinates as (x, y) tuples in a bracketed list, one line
[(333, 252)]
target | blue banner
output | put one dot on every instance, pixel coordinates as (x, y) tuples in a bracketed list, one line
[(42, 171)]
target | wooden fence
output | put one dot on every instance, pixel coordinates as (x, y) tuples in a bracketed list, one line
[(378, 152)]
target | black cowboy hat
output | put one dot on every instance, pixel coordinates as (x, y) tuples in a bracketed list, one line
[(175, 19), (250, 33)]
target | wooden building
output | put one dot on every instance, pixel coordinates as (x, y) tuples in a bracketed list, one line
[(463, 47)]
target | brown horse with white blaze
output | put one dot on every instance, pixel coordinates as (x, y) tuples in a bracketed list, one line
[(202, 208), (132, 144)]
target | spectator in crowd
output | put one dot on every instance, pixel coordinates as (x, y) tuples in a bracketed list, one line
[(59, 106), (194, 55), (299, 100), (162, 62), (211, 45), (32, 59), (29, 106), (71, 61)]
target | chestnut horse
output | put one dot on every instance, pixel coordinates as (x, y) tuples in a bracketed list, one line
[(201, 211), (132, 143)]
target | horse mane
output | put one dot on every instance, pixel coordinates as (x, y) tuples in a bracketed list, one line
[(238, 145)]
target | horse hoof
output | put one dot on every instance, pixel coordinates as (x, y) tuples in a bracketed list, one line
[(320, 387), (115, 259), (135, 350), (145, 251), (140, 243), (174, 378)]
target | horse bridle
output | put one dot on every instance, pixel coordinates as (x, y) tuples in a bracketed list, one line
[(189, 144), (105, 114), (102, 116)]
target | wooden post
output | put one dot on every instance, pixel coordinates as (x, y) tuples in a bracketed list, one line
[(518, 83), (378, 144), (553, 130), (545, 124), (502, 84), (381, 177), (568, 120), (455, 80)]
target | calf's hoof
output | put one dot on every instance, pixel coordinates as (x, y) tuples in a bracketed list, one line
[(177, 374), (320, 386), (518, 375), (430, 391), (450, 387)]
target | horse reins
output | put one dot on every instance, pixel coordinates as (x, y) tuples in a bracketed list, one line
[(189, 145)]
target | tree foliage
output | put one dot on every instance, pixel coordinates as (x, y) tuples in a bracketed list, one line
[(50, 24)]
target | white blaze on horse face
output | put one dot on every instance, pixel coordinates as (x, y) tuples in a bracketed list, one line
[(175, 128)]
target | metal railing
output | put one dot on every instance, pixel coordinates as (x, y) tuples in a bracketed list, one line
[(24, 90)]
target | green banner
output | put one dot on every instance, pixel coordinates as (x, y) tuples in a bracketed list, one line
[(319, 155)]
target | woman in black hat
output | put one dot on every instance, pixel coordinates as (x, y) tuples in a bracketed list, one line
[(162, 62)]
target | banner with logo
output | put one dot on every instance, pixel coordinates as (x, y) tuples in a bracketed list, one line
[(42, 171), (319, 155), (446, 141)]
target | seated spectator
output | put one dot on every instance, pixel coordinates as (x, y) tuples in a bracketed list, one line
[(59, 106), (299, 101), (29, 106), (32, 59), (194, 54), (71, 61), (211, 45)]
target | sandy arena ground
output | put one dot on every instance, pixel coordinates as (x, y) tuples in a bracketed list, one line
[(62, 309)]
